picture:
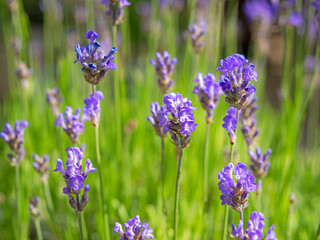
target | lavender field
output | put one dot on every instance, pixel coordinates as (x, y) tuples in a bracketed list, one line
[(159, 119)]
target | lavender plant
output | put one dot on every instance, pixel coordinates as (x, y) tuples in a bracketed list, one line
[(230, 124), (42, 166), (197, 33), (92, 107), (164, 67), (35, 213), (115, 10), (23, 73), (54, 100), (132, 230)]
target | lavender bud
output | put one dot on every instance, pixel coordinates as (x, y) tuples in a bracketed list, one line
[(41, 164), (34, 208), (155, 119), (197, 34), (84, 198), (259, 163), (23, 73), (54, 100), (115, 10), (92, 107)]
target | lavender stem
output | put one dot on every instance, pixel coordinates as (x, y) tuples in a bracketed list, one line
[(162, 176), (205, 178), (79, 217), (241, 215), (18, 196), (38, 229), (176, 202)]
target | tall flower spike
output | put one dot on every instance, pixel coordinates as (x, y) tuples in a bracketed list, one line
[(208, 92), (132, 230), (115, 10), (181, 124), (14, 137), (72, 124), (197, 34), (95, 63), (41, 164), (54, 100), (233, 193), (92, 108), (254, 230), (249, 123), (164, 66), (230, 123), (75, 176), (259, 162), (23, 73), (154, 119), (235, 80)]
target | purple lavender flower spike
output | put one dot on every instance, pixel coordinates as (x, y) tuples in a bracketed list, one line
[(254, 230), (14, 137), (155, 119), (234, 193), (75, 177), (92, 108), (235, 80), (71, 123), (41, 164), (164, 67), (181, 124), (230, 123), (263, 12), (296, 20), (115, 10), (132, 230), (208, 92), (34, 207), (197, 34), (23, 73), (95, 63), (54, 100), (259, 163)]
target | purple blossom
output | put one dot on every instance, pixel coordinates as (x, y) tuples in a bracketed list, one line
[(254, 230), (155, 119), (181, 123), (92, 108), (164, 66), (230, 123), (316, 4), (95, 63), (260, 10), (295, 19), (54, 100), (41, 164), (115, 11), (208, 92), (14, 137), (259, 162), (75, 176), (235, 79), (132, 230), (234, 193), (197, 34), (71, 123)]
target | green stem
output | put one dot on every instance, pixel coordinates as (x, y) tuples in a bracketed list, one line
[(205, 179), (18, 196), (79, 217), (162, 176), (225, 225), (38, 229), (220, 15), (176, 201)]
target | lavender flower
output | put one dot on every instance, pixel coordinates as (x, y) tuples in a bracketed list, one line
[(14, 138), (155, 119), (234, 193), (249, 121), (95, 63), (295, 19), (259, 162), (132, 230), (54, 100), (164, 67), (197, 33), (235, 79), (41, 164), (181, 124), (75, 177), (230, 123), (92, 108), (72, 124), (254, 230), (260, 10), (23, 73), (115, 10), (208, 92), (34, 208)]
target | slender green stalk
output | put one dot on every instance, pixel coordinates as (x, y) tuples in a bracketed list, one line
[(220, 14), (205, 179), (79, 218), (18, 196), (38, 229), (176, 201), (162, 176), (225, 224), (48, 196)]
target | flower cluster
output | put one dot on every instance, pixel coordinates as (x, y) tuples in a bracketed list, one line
[(182, 122), (92, 107), (164, 67), (254, 230), (230, 123), (23, 73), (208, 92), (95, 63), (41, 164), (54, 100), (132, 230), (14, 138), (154, 119), (75, 177), (249, 123), (115, 10), (34, 208), (235, 79), (197, 33), (234, 193), (259, 163), (72, 124), (264, 11)]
